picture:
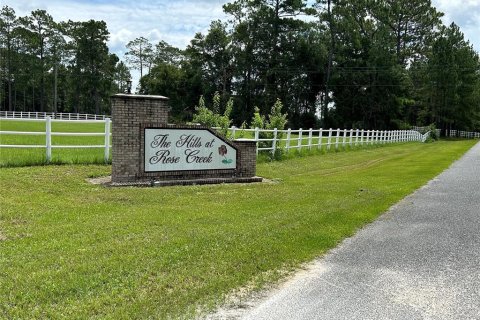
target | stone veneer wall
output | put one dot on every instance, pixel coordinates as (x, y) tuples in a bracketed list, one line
[(129, 112)]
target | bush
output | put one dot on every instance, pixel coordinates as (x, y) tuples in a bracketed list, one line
[(433, 136), (275, 120), (212, 118), (204, 116), (241, 132)]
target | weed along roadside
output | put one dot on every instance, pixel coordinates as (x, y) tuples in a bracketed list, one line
[(73, 249)]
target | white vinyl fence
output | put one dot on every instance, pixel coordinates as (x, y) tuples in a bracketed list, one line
[(49, 133), (44, 115), (274, 139), (464, 134), (267, 140)]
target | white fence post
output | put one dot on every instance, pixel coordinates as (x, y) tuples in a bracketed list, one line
[(351, 137), (299, 142), (274, 144), (337, 136), (320, 138), (256, 137), (329, 141), (234, 129), (289, 133), (107, 139), (344, 139), (310, 139), (48, 138)]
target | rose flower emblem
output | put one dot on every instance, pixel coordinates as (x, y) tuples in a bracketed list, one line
[(222, 150)]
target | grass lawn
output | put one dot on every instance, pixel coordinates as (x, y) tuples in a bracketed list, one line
[(69, 249)]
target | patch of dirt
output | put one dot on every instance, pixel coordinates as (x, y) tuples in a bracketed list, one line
[(274, 180), (240, 301), (100, 180), (2, 236)]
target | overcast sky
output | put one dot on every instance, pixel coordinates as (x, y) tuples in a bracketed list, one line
[(177, 21)]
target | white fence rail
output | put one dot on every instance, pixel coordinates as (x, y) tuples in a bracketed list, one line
[(267, 140), (49, 133), (464, 134), (44, 115), (273, 139)]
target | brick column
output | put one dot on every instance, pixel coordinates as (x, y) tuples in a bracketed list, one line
[(247, 158), (129, 112)]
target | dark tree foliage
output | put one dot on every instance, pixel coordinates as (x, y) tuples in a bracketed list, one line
[(383, 64), (50, 66)]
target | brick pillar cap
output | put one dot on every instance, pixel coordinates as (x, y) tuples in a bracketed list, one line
[(138, 96)]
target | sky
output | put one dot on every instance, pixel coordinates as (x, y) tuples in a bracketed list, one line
[(177, 21)]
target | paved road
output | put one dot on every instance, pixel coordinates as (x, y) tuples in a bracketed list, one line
[(421, 260)]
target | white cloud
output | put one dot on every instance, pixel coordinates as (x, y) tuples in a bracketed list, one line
[(175, 22), (466, 14)]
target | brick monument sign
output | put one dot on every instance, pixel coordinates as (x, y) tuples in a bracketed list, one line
[(146, 150)]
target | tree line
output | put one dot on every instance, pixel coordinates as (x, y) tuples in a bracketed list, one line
[(380, 64), (57, 66)]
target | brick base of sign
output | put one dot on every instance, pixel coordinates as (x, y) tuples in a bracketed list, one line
[(132, 115), (189, 182)]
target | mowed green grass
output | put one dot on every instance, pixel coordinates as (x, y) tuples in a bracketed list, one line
[(70, 249), (37, 156)]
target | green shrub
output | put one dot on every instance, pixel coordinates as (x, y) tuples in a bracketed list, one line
[(211, 117), (433, 133), (275, 120)]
